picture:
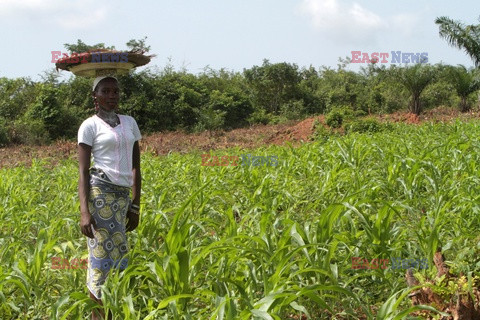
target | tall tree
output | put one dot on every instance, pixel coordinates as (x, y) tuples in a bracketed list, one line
[(415, 79), (273, 85), (465, 83), (461, 36)]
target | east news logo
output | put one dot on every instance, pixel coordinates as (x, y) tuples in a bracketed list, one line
[(97, 57), (396, 57)]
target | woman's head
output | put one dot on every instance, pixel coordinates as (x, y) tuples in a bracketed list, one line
[(106, 93)]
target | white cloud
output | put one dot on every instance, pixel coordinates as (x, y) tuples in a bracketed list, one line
[(81, 21), (405, 24), (22, 7), (363, 18), (9, 6), (349, 23), (74, 14)]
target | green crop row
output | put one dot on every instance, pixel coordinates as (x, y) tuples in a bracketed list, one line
[(255, 242)]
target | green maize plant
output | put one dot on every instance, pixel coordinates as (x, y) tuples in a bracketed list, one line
[(257, 242)]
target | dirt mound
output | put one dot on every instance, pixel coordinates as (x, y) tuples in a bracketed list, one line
[(408, 117), (439, 114), (158, 143), (302, 131), (251, 137), (248, 138)]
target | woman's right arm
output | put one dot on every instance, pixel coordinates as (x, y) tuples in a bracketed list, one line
[(86, 219)]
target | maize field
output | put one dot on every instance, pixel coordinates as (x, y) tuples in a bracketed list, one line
[(257, 242)]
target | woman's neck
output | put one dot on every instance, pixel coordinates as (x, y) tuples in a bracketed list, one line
[(104, 114), (109, 117)]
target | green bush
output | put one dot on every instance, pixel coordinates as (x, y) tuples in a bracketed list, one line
[(364, 125), (210, 119), (321, 133), (334, 119), (278, 119), (47, 109), (293, 110), (360, 113), (29, 131), (260, 116), (347, 112), (3, 132), (439, 94)]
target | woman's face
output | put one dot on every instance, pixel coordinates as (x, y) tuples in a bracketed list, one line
[(107, 94)]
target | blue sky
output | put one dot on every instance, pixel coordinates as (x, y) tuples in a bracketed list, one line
[(234, 35)]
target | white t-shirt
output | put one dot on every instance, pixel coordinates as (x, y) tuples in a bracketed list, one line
[(112, 148)]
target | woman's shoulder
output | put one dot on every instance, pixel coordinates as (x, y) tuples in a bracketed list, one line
[(90, 121), (127, 118)]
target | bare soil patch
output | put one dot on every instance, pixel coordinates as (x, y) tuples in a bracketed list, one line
[(247, 138)]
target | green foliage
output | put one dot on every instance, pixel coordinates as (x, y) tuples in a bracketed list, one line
[(364, 125), (461, 36), (46, 109), (4, 140), (334, 119), (227, 93), (321, 133), (80, 47), (385, 94), (15, 96), (293, 110), (313, 99), (348, 113), (260, 116), (167, 99), (415, 79), (465, 82), (343, 88), (138, 45), (273, 85), (28, 131), (211, 117), (133, 45), (438, 93), (244, 242)]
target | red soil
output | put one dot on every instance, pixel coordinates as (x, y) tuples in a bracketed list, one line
[(251, 137)]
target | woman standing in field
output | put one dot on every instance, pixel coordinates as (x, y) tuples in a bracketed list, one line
[(107, 211)]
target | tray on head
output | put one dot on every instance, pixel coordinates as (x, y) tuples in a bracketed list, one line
[(102, 62)]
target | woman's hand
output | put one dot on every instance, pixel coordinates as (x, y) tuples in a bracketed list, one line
[(86, 224), (86, 219), (132, 220)]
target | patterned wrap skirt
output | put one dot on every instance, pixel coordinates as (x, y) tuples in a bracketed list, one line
[(108, 204)]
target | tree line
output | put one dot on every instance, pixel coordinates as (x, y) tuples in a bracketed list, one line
[(39, 112)]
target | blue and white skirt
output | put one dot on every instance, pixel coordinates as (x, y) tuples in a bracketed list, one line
[(108, 204)]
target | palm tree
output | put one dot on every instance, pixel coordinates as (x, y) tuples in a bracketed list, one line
[(461, 36), (465, 83), (415, 79)]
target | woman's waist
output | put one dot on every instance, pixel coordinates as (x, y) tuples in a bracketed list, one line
[(100, 177), (119, 173)]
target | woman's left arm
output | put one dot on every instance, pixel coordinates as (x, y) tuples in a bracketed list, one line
[(133, 217), (137, 175)]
